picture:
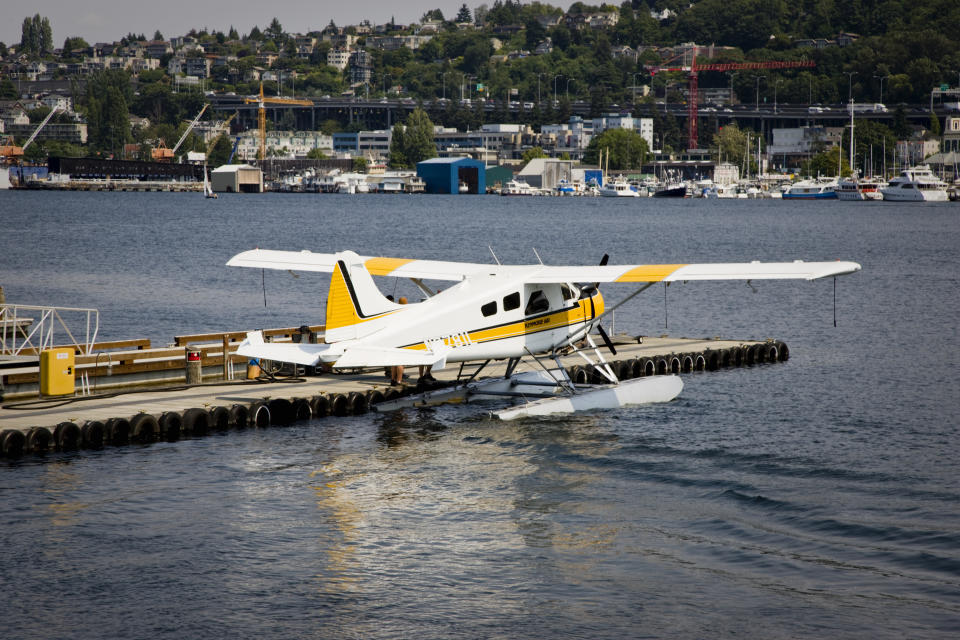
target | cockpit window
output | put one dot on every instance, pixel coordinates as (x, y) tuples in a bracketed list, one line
[(511, 301), (537, 303), (567, 292), (489, 309)]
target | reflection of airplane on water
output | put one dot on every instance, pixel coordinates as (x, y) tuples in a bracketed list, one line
[(492, 312)]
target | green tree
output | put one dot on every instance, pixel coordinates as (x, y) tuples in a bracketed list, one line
[(8, 90), (220, 153), (360, 164), (825, 163), (627, 149), (419, 137), (316, 154), (157, 35), (533, 153), (464, 14), (398, 148)]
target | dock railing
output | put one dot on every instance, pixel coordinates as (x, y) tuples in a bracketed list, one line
[(29, 329)]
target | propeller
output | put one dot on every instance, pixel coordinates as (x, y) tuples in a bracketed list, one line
[(590, 290)]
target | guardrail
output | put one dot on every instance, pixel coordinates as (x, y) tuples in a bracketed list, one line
[(29, 329)]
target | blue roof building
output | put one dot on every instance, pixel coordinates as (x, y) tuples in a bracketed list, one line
[(446, 175)]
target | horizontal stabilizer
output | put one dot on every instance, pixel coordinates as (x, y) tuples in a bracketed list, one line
[(356, 357), (305, 354)]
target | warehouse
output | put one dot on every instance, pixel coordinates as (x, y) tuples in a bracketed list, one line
[(453, 175)]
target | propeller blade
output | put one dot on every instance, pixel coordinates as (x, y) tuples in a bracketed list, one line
[(604, 260), (606, 339)]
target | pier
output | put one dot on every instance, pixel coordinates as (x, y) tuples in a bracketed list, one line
[(141, 395)]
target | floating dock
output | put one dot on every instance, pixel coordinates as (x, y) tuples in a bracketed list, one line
[(126, 415)]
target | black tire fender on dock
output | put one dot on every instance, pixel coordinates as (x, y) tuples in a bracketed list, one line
[(663, 365), (636, 370), (39, 439), (761, 353), (66, 436), (648, 367), (281, 412), (320, 406), (220, 418), (357, 403), (578, 374), (388, 394), (624, 370), (118, 431), (338, 405), (144, 428), (239, 416), (302, 411), (771, 352), (783, 351), (92, 434), (12, 442), (675, 363), (170, 424), (686, 362), (736, 356), (749, 355), (195, 422), (260, 415), (712, 360), (374, 396), (699, 362)]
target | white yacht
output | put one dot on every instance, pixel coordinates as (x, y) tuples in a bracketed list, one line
[(857, 188), (917, 184), (812, 190), (618, 188), (517, 187)]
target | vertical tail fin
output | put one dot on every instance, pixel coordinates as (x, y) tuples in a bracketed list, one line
[(353, 301)]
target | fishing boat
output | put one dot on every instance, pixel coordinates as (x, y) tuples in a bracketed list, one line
[(617, 188), (916, 184)]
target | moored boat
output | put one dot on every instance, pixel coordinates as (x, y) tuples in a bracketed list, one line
[(811, 190), (916, 184)]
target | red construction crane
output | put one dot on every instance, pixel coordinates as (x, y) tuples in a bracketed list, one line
[(693, 68)]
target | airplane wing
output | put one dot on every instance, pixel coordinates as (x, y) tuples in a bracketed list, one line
[(546, 274), (797, 269), (377, 266)]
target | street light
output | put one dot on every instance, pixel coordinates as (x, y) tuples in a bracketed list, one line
[(776, 83), (568, 89), (635, 88), (730, 98), (538, 87), (560, 75), (758, 79), (850, 75), (443, 79), (881, 79)]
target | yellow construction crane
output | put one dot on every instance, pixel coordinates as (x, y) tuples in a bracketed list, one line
[(262, 114), (225, 126)]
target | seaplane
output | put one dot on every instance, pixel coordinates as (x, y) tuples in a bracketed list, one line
[(491, 312)]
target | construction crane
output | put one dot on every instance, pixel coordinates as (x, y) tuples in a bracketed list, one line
[(693, 69), (15, 152), (224, 126), (261, 101)]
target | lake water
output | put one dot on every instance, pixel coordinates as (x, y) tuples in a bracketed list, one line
[(815, 498)]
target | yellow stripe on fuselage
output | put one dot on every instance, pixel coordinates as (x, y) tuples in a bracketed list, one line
[(649, 273), (557, 320), (385, 266)]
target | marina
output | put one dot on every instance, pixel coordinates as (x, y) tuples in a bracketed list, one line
[(819, 490)]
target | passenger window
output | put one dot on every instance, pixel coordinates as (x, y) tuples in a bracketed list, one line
[(511, 301), (537, 303), (489, 309), (566, 292)]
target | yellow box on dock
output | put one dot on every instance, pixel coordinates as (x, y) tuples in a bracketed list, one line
[(57, 372)]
